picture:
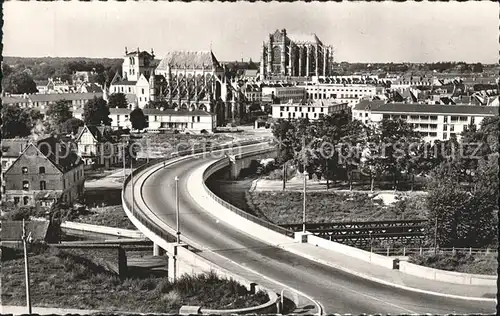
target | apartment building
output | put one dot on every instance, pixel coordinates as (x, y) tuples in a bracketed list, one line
[(311, 110), (284, 93), (341, 93), (432, 121)]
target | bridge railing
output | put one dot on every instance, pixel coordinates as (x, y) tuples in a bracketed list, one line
[(137, 212), (223, 163), (406, 251)]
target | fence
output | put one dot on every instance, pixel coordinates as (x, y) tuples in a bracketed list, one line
[(406, 251)]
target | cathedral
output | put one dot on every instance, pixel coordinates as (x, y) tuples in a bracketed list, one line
[(186, 81), (294, 55)]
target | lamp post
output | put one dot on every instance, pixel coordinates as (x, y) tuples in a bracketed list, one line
[(304, 205), (26, 239), (177, 208), (284, 176)]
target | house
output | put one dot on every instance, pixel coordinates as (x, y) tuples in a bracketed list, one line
[(96, 146), (89, 88), (11, 150), (39, 231), (42, 101), (47, 171)]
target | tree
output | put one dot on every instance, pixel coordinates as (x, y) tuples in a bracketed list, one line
[(72, 125), (478, 67), (458, 215), (254, 107), (117, 100), (16, 122), (20, 83), (138, 119), (96, 112), (57, 114)]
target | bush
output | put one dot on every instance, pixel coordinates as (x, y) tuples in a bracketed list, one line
[(460, 262)]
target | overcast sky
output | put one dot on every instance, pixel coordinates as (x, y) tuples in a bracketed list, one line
[(364, 32)]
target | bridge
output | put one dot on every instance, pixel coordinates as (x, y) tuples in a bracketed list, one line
[(361, 234), (267, 256)]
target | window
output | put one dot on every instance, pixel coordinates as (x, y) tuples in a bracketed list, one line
[(452, 128), (282, 108), (288, 108), (445, 119), (129, 90), (433, 134), (463, 118), (454, 118), (198, 119), (43, 185), (26, 185), (16, 200), (472, 120), (41, 170), (142, 90), (445, 127), (366, 114), (386, 116), (433, 118), (192, 118), (24, 170), (445, 135), (26, 200)]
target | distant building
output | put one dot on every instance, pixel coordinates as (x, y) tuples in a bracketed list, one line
[(311, 110), (294, 55), (432, 121), (346, 92), (46, 171), (42, 101), (284, 93)]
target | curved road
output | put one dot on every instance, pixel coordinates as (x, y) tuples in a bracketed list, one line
[(337, 291)]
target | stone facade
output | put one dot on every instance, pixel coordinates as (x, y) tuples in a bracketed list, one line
[(294, 55)]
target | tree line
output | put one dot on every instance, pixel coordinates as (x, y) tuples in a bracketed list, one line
[(461, 175), (59, 119)]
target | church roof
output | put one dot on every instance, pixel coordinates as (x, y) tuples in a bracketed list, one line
[(299, 38), (180, 59)]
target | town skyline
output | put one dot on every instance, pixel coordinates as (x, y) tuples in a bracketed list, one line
[(236, 31)]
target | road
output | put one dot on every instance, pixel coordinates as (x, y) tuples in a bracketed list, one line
[(338, 291)]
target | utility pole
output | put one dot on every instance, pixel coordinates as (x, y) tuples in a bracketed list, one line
[(177, 209), (132, 186), (304, 205), (124, 163), (284, 176), (26, 239), (435, 234)]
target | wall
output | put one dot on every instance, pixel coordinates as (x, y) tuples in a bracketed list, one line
[(112, 231), (383, 261), (447, 276)]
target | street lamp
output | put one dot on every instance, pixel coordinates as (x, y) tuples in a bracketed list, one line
[(304, 206), (177, 208)]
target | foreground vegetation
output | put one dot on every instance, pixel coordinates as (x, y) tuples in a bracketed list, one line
[(64, 280), (111, 216), (459, 262)]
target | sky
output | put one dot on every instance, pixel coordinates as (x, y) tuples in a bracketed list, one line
[(359, 32)]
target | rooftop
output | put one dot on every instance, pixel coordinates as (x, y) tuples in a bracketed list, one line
[(13, 230), (299, 38), (436, 108), (180, 59)]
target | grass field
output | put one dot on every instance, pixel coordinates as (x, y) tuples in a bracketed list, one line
[(59, 279), (323, 207), (112, 216)]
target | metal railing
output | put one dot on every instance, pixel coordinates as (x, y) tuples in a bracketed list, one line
[(223, 163), (406, 251), (137, 212)]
